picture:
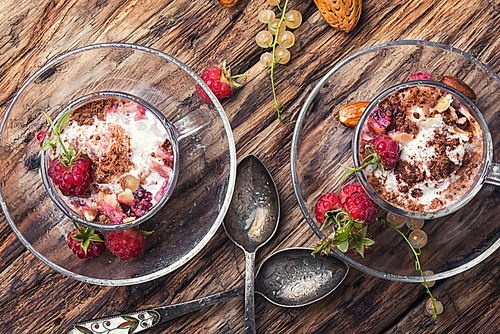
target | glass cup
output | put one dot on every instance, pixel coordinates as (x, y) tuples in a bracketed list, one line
[(187, 125), (487, 171)]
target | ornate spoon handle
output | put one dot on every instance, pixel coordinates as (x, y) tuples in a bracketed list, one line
[(136, 322)]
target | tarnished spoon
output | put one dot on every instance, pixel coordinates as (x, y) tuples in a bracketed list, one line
[(288, 278), (251, 220)]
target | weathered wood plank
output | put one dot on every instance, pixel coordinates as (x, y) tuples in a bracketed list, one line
[(35, 299)]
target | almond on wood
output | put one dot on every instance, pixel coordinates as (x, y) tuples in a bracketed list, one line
[(340, 14)]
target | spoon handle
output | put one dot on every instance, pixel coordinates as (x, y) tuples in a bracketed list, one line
[(249, 293), (138, 321)]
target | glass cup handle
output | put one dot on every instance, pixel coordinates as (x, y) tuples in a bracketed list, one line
[(493, 176), (191, 123)]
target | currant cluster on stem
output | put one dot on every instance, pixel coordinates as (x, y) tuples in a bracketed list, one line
[(278, 38), (416, 240)]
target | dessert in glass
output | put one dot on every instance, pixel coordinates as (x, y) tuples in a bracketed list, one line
[(131, 151), (444, 149)]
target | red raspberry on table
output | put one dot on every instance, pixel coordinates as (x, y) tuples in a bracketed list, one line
[(86, 243), (387, 150), (326, 202), (220, 82), (420, 76), (360, 207), (126, 244), (75, 179), (348, 190)]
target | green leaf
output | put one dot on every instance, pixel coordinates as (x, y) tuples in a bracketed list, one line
[(85, 245), (343, 247), (328, 221), (368, 242), (71, 152), (361, 250), (63, 121)]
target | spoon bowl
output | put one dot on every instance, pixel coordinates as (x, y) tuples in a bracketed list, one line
[(293, 278), (254, 211), (288, 278)]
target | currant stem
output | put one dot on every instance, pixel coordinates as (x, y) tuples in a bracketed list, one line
[(274, 62), (417, 266)]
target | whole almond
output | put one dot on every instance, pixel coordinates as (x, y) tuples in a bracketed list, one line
[(228, 3), (342, 15), (458, 85), (349, 114)]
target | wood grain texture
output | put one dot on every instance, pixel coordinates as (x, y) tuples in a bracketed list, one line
[(36, 299)]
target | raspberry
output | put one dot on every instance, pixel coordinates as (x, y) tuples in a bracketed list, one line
[(220, 82), (359, 206), (379, 120), (420, 76), (126, 244), (85, 242), (326, 202), (387, 150), (348, 190), (74, 180)]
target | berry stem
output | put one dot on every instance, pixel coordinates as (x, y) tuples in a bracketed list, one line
[(417, 266), (275, 61), (56, 132), (373, 158), (240, 75)]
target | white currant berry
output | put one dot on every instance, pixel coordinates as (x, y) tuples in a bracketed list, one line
[(273, 27), (266, 59), (418, 238), (395, 220), (282, 55), (415, 224), (273, 2), (287, 39), (264, 39), (429, 306), (293, 19), (266, 15), (429, 283)]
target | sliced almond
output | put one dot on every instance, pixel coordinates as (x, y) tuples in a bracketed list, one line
[(444, 103), (402, 138)]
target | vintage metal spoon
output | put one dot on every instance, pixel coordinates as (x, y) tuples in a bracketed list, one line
[(288, 278), (251, 220)]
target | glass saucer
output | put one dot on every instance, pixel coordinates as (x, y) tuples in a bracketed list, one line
[(207, 161), (321, 143)]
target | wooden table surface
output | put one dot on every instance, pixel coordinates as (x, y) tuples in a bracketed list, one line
[(36, 299)]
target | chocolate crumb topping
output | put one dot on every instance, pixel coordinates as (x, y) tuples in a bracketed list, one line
[(84, 114)]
